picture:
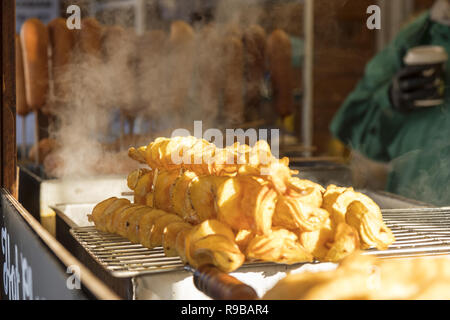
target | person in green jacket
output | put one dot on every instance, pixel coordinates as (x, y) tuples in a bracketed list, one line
[(379, 119)]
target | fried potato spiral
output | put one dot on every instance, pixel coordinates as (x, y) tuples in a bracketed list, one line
[(251, 207), (279, 245), (204, 158), (223, 206), (209, 242)]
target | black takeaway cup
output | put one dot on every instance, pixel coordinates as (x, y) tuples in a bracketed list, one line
[(434, 57)]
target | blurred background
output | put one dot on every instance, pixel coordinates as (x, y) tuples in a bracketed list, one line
[(336, 37), (95, 78), (140, 69)]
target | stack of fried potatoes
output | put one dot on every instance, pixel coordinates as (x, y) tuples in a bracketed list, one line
[(224, 213)]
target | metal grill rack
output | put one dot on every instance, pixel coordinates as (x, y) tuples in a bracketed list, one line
[(418, 232), (121, 257)]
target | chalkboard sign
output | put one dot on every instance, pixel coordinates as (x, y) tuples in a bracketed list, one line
[(29, 269)]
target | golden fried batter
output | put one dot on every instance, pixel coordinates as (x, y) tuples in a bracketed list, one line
[(220, 206)]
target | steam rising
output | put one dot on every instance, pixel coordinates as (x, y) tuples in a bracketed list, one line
[(159, 81), (166, 82)]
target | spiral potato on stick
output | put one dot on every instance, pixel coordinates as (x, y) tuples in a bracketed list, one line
[(279, 245), (210, 242), (179, 194), (170, 235), (204, 158), (252, 209), (139, 223), (207, 210), (242, 202)]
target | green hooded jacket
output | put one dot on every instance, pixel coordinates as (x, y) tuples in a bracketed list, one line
[(416, 144)]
